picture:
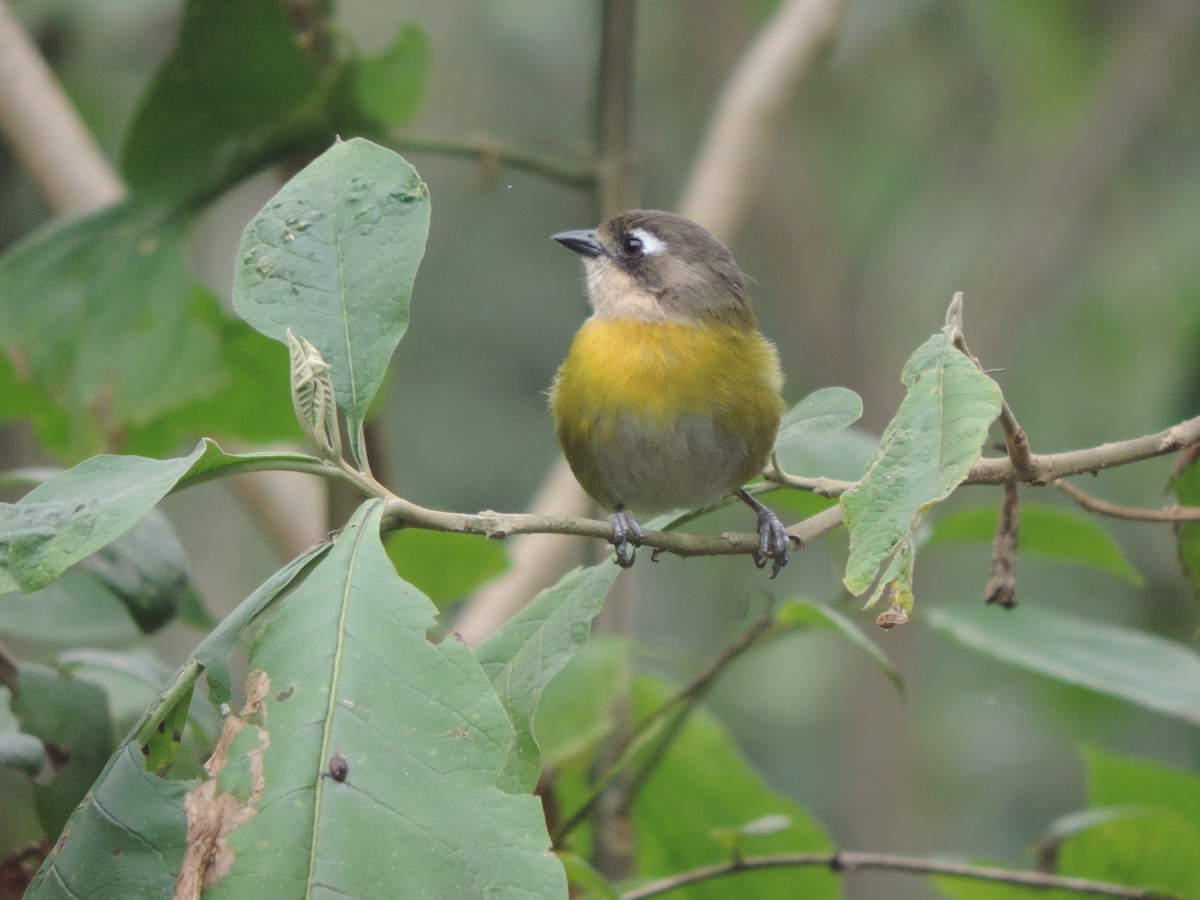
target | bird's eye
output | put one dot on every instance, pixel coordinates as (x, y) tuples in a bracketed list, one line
[(632, 247)]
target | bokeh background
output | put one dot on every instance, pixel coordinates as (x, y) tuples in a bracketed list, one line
[(1044, 158)]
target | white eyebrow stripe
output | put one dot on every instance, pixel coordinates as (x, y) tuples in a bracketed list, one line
[(651, 243)]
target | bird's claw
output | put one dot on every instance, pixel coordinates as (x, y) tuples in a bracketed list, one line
[(626, 532), (773, 542)]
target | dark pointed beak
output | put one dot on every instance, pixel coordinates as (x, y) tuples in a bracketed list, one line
[(583, 242)]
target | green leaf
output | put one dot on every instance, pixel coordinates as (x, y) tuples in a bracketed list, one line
[(1049, 532), (1116, 781), (343, 671), (702, 784), (388, 87), (128, 841), (924, 454), (141, 577), (84, 508), (800, 613), (213, 652), (105, 850), (1131, 665), (23, 752), (1185, 484), (530, 649), (73, 715), (333, 257), (444, 567), (1145, 848), (232, 96), (820, 413), (98, 311), (79, 511)]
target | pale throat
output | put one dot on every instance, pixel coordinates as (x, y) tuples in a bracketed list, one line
[(616, 295)]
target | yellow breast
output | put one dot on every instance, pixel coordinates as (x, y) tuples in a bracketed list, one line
[(703, 400)]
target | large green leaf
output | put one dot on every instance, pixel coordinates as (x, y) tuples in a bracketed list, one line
[(232, 95), (136, 584), (924, 454), (97, 310), (1135, 666), (126, 841), (704, 784), (79, 511), (72, 715), (1049, 532), (213, 652), (86, 507), (531, 648), (127, 838), (367, 756), (333, 258)]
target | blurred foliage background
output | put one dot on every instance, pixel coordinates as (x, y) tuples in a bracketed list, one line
[(1043, 158)]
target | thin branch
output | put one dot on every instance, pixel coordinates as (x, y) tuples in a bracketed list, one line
[(1042, 468), (1001, 586), (399, 513), (492, 152), (1047, 467), (850, 862), (1137, 514)]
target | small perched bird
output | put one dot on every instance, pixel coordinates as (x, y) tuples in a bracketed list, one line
[(669, 396)]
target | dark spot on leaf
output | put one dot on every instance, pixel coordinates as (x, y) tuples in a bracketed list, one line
[(338, 767), (286, 693), (176, 736), (145, 749), (162, 727)]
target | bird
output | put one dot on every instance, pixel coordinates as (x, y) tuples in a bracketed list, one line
[(670, 395)]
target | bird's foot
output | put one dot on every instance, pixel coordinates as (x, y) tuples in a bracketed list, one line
[(774, 542), (626, 537)]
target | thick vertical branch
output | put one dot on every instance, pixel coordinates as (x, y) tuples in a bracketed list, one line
[(44, 129), (733, 162), (617, 189)]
